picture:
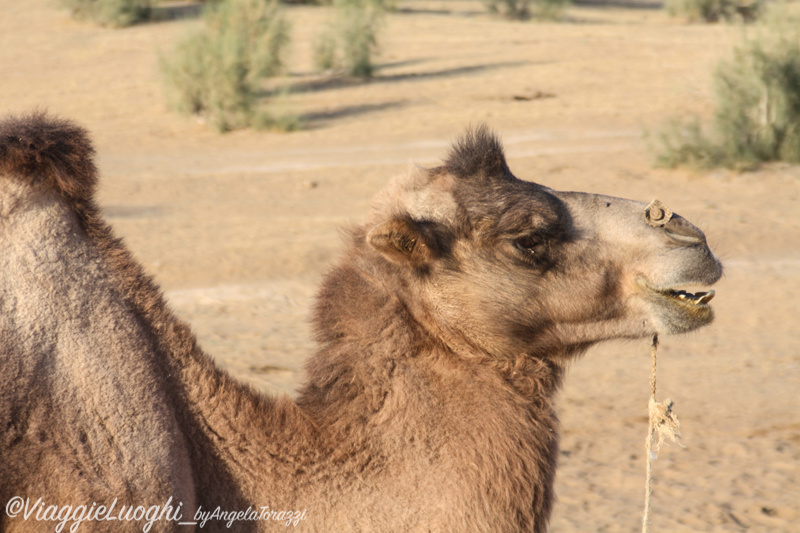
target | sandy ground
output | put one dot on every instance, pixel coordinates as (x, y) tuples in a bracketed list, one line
[(239, 227)]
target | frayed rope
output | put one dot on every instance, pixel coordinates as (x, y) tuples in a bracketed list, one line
[(664, 424)]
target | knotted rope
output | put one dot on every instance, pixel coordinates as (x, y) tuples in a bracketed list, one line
[(663, 424)]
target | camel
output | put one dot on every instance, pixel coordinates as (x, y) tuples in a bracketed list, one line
[(443, 333)]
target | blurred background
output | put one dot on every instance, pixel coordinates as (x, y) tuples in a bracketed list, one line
[(236, 138)]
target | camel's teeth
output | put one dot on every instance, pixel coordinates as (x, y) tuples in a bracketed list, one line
[(705, 297), (688, 297)]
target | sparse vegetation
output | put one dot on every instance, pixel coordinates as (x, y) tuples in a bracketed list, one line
[(219, 72), (513, 9), (525, 9), (715, 10), (351, 41), (757, 116), (115, 13)]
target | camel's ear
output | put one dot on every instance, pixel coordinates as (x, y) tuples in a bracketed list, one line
[(403, 241)]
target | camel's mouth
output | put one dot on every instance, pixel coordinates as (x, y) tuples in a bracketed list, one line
[(681, 297), (694, 299), (687, 310), (679, 310), (682, 311)]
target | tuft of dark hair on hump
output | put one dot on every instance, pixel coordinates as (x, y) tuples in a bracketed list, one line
[(478, 154), (49, 151)]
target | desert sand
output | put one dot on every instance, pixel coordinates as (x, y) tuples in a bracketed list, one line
[(238, 228)]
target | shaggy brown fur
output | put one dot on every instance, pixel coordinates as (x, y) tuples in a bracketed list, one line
[(37, 149), (429, 406)]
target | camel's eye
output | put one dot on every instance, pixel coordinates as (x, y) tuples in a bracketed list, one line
[(532, 246)]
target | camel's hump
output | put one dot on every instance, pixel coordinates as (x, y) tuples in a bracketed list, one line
[(41, 149)]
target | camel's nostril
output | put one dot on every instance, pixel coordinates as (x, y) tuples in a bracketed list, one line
[(682, 238), (683, 232)]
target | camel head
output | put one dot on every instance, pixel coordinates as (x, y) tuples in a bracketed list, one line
[(505, 267)]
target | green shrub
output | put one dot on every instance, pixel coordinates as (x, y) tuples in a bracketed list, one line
[(116, 13), (525, 9), (350, 42), (219, 72), (757, 116), (715, 10), (684, 143), (325, 57), (513, 9)]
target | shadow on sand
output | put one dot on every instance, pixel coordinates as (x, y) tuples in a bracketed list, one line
[(626, 4), (174, 11), (317, 119), (340, 81)]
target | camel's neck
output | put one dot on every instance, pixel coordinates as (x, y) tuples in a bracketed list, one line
[(385, 384), (364, 331)]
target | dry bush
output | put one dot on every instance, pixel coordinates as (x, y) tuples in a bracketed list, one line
[(757, 116), (525, 9), (715, 10), (219, 72), (351, 39), (114, 13)]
